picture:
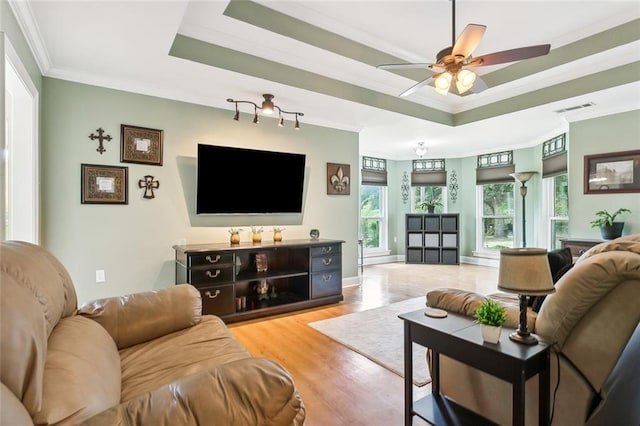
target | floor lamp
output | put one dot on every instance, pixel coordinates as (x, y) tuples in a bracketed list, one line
[(523, 177)]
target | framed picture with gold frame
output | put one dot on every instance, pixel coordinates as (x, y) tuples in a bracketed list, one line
[(140, 145), (104, 184)]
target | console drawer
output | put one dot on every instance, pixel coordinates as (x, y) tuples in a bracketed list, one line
[(325, 250), (326, 284), (325, 263), (218, 300), (210, 259), (210, 276)]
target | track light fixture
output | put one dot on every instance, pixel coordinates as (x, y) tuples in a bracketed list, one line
[(267, 107)]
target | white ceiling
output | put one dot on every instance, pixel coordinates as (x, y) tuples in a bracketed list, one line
[(125, 45)]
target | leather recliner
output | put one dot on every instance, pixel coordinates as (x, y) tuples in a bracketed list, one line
[(593, 318)]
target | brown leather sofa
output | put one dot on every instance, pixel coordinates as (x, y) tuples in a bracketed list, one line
[(145, 359), (593, 318)]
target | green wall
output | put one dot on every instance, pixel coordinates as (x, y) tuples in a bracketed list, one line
[(133, 243), (613, 133), (617, 132)]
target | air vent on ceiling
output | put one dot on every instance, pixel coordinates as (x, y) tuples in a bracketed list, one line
[(573, 108)]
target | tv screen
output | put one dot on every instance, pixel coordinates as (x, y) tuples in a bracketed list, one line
[(244, 181)]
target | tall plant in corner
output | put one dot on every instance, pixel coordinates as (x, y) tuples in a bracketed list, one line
[(609, 228)]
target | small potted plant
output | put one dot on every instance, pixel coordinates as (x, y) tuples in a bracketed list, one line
[(609, 228), (430, 204), (491, 315)]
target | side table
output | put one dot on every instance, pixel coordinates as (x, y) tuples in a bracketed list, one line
[(459, 337)]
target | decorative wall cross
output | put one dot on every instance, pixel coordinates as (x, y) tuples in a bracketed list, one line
[(101, 139), (149, 185)]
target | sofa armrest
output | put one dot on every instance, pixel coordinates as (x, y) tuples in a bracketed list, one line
[(465, 303), (250, 391), (141, 317)]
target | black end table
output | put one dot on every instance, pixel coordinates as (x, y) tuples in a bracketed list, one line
[(459, 337)]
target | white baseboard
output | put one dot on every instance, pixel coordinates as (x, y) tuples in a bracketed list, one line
[(482, 261)]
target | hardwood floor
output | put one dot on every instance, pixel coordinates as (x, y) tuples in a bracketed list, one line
[(339, 386)]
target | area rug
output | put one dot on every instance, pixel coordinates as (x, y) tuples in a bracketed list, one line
[(378, 334)]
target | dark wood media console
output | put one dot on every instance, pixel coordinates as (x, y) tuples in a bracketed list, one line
[(235, 286)]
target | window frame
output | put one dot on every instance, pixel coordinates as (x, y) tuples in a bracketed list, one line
[(481, 250)]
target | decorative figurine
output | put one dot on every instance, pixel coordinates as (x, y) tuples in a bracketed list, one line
[(262, 290)]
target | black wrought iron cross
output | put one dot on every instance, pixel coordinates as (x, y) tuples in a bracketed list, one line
[(149, 185), (101, 139)]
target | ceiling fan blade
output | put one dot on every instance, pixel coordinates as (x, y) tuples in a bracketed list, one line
[(479, 85), (511, 55), (402, 66), (468, 40), (417, 86)]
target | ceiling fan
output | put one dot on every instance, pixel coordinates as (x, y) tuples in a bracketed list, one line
[(452, 62)]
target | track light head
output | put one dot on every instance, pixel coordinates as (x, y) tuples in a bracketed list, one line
[(267, 104)]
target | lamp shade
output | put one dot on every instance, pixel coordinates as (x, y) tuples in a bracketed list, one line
[(522, 177), (525, 271)]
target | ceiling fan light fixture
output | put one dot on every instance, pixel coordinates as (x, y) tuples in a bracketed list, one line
[(465, 80), (443, 82), (267, 104)]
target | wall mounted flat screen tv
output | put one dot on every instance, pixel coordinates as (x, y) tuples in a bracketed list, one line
[(248, 181)]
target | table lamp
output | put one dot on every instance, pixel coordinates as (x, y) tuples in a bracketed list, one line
[(526, 272)]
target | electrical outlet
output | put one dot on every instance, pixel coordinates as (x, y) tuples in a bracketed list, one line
[(100, 276)]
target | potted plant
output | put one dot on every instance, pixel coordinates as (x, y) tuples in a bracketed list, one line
[(430, 204), (609, 228), (491, 315)]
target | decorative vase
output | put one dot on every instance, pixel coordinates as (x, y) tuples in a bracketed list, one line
[(490, 333), (235, 238), (314, 234), (256, 237), (277, 236)]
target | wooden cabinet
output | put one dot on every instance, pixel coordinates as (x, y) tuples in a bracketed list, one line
[(578, 245), (433, 238), (250, 280)]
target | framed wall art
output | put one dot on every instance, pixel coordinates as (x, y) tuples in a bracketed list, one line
[(141, 145), (614, 172), (104, 184), (338, 179)]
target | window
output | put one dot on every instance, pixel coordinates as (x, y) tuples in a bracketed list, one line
[(556, 191), (19, 207), (429, 180), (373, 220), (373, 205), (496, 204)]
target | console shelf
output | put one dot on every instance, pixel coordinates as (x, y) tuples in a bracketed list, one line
[(299, 274), (433, 238)]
